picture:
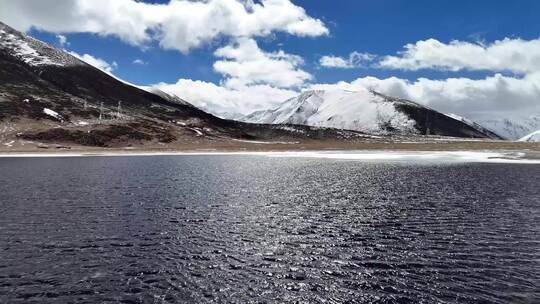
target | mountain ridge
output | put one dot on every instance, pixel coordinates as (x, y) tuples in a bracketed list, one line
[(94, 108)]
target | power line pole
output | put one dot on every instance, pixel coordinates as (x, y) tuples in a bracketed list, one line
[(100, 111), (119, 109)]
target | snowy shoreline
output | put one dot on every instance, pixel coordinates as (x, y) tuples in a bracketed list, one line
[(352, 155)]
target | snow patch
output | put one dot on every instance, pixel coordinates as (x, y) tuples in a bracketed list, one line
[(9, 144), (53, 114), (291, 129), (82, 123), (197, 130), (416, 156)]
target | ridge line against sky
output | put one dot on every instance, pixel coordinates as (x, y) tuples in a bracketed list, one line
[(251, 55)]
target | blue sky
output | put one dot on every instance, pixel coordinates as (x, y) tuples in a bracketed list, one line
[(479, 59), (375, 26)]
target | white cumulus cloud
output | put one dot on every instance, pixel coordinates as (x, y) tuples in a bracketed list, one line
[(515, 55), (355, 60), (178, 24), (62, 40), (139, 62), (96, 62), (218, 99), (244, 63)]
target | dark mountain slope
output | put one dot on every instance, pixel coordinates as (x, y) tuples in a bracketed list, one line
[(47, 95), (431, 122)]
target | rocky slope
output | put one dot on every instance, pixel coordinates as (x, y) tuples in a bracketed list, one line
[(48, 96), (368, 112)]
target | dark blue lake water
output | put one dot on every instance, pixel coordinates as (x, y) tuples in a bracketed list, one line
[(240, 229)]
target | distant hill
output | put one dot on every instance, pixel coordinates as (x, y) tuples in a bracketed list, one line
[(533, 137), (513, 128), (368, 112)]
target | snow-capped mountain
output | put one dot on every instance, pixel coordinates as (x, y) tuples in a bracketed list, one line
[(368, 112), (533, 137), (362, 111), (513, 128)]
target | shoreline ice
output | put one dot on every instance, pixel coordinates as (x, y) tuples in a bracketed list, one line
[(356, 155)]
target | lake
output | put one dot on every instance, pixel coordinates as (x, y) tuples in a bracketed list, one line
[(248, 228)]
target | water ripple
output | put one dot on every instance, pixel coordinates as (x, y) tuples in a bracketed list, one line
[(248, 229)]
